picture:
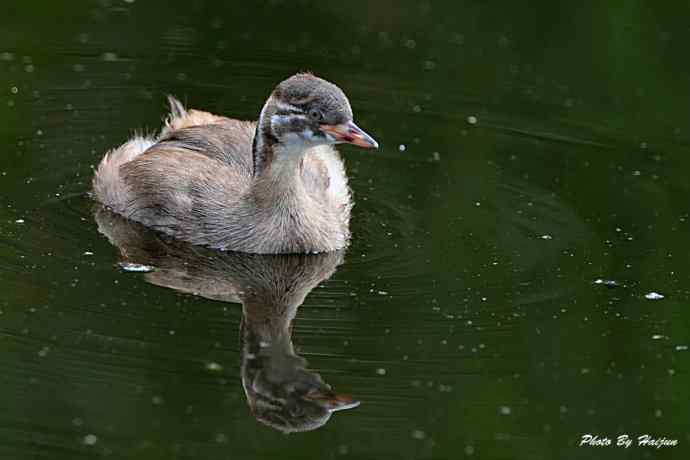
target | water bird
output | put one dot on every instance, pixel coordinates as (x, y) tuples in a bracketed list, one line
[(272, 186)]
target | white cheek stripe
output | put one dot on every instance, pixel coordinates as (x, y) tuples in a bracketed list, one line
[(277, 120), (288, 107)]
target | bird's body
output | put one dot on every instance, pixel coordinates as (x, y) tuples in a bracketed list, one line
[(275, 186)]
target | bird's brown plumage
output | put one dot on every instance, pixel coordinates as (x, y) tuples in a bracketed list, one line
[(198, 180)]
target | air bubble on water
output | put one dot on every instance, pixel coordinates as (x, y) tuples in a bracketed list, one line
[(658, 337), (213, 366), (88, 253), (110, 56), (607, 283), (505, 410), (546, 237), (418, 434), (136, 268), (472, 120), (381, 371), (19, 221), (681, 347), (653, 296), (402, 147), (90, 439)]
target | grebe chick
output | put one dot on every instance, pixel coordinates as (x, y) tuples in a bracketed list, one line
[(272, 186)]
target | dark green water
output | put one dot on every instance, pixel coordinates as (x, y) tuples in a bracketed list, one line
[(465, 316)]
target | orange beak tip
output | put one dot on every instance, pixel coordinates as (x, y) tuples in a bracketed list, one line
[(350, 133)]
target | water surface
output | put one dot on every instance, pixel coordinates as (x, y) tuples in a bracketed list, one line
[(526, 153)]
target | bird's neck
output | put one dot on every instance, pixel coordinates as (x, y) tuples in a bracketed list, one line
[(263, 146), (276, 164)]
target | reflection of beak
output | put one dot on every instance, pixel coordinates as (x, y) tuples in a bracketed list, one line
[(351, 133), (331, 401)]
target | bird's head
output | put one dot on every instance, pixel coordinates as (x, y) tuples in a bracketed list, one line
[(305, 111)]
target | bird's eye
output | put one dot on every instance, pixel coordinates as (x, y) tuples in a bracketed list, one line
[(315, 115)]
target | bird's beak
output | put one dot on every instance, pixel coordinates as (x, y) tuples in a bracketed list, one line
[(351, 133), (331, 401)]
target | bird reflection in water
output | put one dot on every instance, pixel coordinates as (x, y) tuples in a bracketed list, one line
[(281, 391)]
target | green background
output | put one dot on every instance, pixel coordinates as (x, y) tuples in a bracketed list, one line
[(470, 278)]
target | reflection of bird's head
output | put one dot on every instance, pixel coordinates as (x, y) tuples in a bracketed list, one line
[(282, 393)]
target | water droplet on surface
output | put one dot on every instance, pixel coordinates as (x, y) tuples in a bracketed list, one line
[(110, 57), (607, 283), (653, 296), (135, 268), (90, 439), (213, 366), (505, 410), (381, 371), (472, 120)]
